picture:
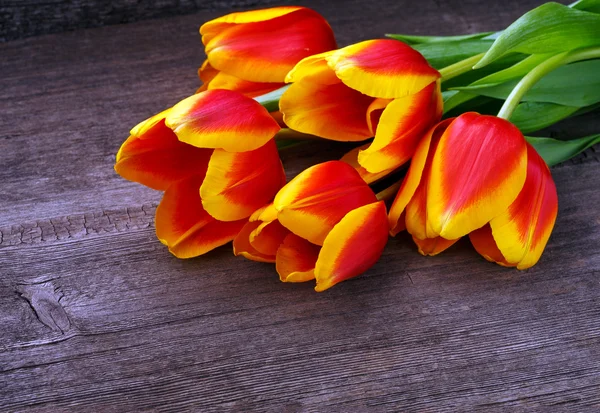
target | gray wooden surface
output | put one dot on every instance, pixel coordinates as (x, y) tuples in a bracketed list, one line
[(25, 18), (96, 315)]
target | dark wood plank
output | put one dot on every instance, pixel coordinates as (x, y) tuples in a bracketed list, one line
[(35, 17), (96, 315), (415, 334)]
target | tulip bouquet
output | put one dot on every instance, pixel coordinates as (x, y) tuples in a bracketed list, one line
[(439, 123)]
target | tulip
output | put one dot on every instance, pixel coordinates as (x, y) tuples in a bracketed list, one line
[(251, 52), (466, 171), (325, 224), (380, 88), (518, 236), (214, 156)]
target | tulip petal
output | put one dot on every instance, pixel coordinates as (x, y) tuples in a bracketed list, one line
[(312, 203), (211, 28), (433, 246), (152, 155), (351, 158), (411, 182), (314, 67), (238, 183), (331, 111), (522, 232), (374, 112), (484, 244), (251, 89), (352, 246), (477, 171), (382, 68), (206, 73), (296, 259), (402, 124), (265, 51), (184, 226), (243, 247), (267, 213), (267, 237), (222, 119)]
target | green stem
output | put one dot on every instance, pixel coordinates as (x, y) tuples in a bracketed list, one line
[(270, 101), (541, 70), (459, 68), (291, 134), (389, 192)]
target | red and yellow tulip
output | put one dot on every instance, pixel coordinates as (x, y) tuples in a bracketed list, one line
[(518, 236), (380, 88), (476, 175), (325, 224), (214, 155), (251, 52)]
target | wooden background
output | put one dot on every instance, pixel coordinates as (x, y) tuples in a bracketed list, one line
[(24, 18), (96, 315)]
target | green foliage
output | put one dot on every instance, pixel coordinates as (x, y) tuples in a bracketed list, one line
[(532, 116), (550, 28), (410, 39), (577, 84), (555, 151)]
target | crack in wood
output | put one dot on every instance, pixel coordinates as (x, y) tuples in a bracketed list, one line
[(78, 226)]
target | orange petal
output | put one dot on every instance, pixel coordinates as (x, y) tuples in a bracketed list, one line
[(243, 247), (477, 171), (402, 124), (154, 157), (522, 232), (206, 73), (351, 158), (296, 259), (382, 68), (239, 183), (213, 27), (423, 153), (352, 246), (374, 112), (314, 67), (266, 213), (331, 111), (266, 50), (312, 203), (267, 237), (245, 87), (433, 246), (183, 226), (484, 244), (222, 119)]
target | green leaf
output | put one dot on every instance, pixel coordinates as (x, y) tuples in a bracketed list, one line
[(410, 39), (555, 151), (577, 84), (442, 54), (270, 101), (587, 5), (288, 143), (532, 116), (517, 70), (550, 28)]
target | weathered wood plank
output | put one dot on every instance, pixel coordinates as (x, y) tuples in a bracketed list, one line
[(219, 333), (96, 315), (20, 18)]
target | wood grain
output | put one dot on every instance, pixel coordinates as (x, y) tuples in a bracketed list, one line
[(96, 315), (35, 17)]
